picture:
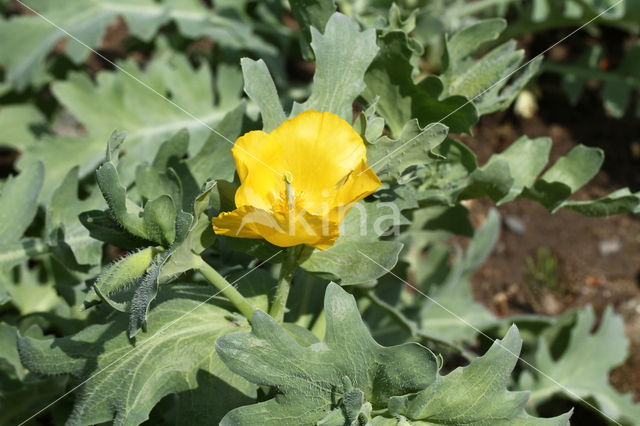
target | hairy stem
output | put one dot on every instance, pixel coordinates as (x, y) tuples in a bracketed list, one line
[(305, 318), (320, 325), (279, 304), (227, 289)]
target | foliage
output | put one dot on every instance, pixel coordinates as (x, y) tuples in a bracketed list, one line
[(591, 381), (132, 103), (347, 378), (486, 400), (318, 380), (127, 383), (85, 22), (107, 249), (619, 83)]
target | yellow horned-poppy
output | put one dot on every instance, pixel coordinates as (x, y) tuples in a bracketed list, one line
[(298, 182)]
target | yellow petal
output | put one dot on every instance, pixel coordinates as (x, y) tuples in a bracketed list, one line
[(319, 149), (360, 183), (258, 158), (284, 229), (234, 224)]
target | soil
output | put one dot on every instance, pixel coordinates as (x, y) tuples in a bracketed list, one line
[(598, 258)]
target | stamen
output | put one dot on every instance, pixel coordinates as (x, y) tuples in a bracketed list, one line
[(289, 191)]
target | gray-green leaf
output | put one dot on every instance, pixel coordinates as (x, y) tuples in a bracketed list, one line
[(476, 394), (127, 104), (87, 20), (358, 256), (401, 99), (414, 147), (259, 86), (126, 380), (582, 370), (313, 380), (19, 202), (311, 14), (343, 54)]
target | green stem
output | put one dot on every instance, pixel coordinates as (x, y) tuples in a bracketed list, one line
[(320, 325), (304, 319), (279, 304), (228, 290)]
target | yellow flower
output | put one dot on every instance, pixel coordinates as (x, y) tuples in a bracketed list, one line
[(298, 181)]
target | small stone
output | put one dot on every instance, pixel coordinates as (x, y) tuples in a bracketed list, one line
[(609, 247), (551, 305), (515, 225), (526, 104)]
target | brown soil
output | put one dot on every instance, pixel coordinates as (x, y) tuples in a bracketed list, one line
[(585, 274)]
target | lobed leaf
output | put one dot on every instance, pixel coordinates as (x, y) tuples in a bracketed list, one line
[(347, 370), (452, 313), (514, 173), (401, 100), (336, 64), (70, 241), (128, 103), (485, 81), (87, 20), (414, 147), (127, 381), (259, 86), (18, 207), (581, 370), (20, 124), (360, 234), (485, 399), (30, 289), (311, 14)]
